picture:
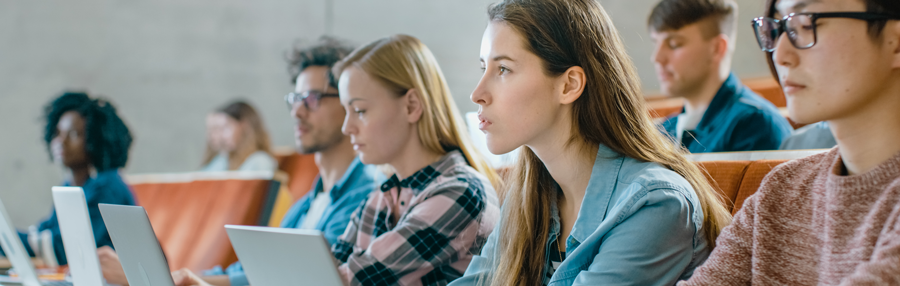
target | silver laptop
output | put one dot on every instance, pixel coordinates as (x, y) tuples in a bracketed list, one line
[(77, 236), (15, 252), (284, 256), (139, 251)]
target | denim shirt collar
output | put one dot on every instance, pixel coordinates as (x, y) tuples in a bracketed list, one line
[(597, 197), (352, 174)]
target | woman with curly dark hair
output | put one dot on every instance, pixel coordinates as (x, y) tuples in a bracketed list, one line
[(90, 142)]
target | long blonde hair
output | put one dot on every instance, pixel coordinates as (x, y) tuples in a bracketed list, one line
[(610, 111), (401, 63)]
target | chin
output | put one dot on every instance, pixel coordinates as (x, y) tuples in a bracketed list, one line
[(498, 148), (369, 159)]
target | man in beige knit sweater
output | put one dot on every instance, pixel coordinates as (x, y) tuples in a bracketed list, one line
[(832, 218)]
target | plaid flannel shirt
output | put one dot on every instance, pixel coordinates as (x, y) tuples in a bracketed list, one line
[(445, 213)]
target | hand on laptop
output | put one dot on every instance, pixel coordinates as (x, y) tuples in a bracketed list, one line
[(185, 277), (111, 267)]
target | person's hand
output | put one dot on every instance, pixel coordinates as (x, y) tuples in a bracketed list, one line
[(185, 277), (111, 267)]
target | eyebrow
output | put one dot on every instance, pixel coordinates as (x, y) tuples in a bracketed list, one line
[(354, 99), (500, 58), (800, 5)]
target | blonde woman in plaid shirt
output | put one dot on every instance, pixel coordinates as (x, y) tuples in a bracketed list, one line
[(427, 221)]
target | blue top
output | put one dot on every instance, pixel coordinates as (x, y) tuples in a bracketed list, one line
[(346, 196), (737, 119), (106, 188), (639, 224)]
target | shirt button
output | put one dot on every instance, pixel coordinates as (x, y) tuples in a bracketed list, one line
[(402, 203)]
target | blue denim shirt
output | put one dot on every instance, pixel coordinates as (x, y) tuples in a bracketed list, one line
[(346, 196), (736, 120), (639, 224), (107, 187)]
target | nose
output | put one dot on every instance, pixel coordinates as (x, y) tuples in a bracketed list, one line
[(299, 111), (347, 128), (785, 54), (658, 56), (480, 95)]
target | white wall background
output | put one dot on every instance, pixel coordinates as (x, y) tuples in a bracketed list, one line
[(166, 63)]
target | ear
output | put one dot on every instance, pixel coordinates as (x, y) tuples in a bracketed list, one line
[(413, 105), (573, 81), (892, 39), (720, 47)]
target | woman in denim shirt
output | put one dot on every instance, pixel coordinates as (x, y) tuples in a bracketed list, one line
[(599, 196)]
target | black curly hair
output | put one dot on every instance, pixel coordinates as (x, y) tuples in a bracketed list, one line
[(107, 139), (325, 52)]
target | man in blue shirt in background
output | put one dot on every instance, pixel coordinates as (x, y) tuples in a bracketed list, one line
[(694, 44)]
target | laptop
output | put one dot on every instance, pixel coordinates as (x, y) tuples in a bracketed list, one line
[(139, 251), (284, 256), (77, 236), (18, 256)]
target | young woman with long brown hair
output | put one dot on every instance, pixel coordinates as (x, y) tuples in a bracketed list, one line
[(599, 196)]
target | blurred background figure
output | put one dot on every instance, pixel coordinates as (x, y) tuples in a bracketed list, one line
[(237, 140), (90, 142), (694, 45)]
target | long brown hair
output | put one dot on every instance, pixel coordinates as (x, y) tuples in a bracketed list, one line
[(244, 113), (610, 111), (401, 63)]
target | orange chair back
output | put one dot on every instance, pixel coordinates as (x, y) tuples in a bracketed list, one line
[(188, 217)]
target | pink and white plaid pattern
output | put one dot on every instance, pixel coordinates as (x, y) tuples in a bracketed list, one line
[(422, 230)]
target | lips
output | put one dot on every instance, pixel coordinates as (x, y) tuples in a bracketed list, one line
[(483, 123), (357, 146), (790, 87), (300, 130)]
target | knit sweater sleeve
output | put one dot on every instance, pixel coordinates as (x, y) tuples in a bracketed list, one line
[(730, 262), (883, 266)]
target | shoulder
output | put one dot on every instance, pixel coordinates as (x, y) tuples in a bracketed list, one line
[(461, 177), (109, 179), (646, 183), (799, 170), (258, 161), (108, 185), (650, 176), (751, 106)]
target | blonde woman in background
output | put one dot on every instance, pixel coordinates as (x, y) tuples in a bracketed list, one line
[(237, 140), (599, 196)]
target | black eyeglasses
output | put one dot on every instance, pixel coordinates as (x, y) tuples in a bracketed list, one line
[(310, 98), (801, 27)]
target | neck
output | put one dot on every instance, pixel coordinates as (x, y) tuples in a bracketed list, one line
[(237, 157), (869, 136), (699, 98), (78, 176), (413, 158), (570, 165), (333, 163)]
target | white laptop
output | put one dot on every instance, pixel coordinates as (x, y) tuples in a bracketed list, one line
[(77, 236), (15, 252), (284, 256), (139, 251)]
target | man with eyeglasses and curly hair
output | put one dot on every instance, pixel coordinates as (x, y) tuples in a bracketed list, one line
[(831, 218)]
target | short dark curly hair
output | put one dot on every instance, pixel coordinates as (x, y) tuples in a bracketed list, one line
[(325, 52), (107, 139)]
